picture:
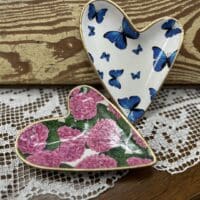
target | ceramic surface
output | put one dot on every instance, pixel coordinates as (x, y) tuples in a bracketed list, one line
[(131, 63), (94, 136)]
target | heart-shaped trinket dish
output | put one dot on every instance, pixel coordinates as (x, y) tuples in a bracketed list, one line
[(131, 63), (93, 136)]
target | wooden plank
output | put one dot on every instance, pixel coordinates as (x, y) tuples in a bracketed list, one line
[(150, 184), (40, 41)]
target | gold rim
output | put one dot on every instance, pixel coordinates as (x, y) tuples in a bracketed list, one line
[(140, 31), (76, 169)]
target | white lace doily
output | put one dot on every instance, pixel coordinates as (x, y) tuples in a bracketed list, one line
[(171, 126)]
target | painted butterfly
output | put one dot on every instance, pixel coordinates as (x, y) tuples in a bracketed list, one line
[(92, 13), (169, 26), (115, 74), (161, 59), (106, 56), (100, 73), (130, 104), (91, 30), (152, 93), (138, 49), (120, 38), (91, 57), (136, 75)]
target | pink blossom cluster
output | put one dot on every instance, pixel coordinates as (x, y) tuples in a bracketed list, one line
[(45, 158), (33, 141), (84, 105), (97, 161), (104, 135)]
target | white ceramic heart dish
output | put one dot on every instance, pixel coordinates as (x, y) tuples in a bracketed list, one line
[(131, 63)]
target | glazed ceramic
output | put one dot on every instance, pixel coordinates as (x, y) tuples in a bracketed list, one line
[(93, 136), (131, 63)]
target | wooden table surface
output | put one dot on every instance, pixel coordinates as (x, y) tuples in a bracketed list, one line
[(40, 40), (150, 184)]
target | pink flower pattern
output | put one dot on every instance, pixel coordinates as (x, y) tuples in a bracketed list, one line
[(83, 105), (103, 136), (135, 161), (71, 150), (45, 158), (72, 144), (66, 132), (97, 161), (138, 140), (33, 139)]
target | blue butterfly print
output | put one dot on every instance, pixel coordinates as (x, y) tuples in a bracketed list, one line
[(115, 74), (169, 26), (91, 30), (138, 49), (161, 59), (120, 38), (106, 56), (131, 104), (136, 75), (100, 73), (92, 13), (152, 93), (91, 57)]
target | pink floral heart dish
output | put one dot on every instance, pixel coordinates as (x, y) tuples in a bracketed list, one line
[(93, 136), (131, 63)]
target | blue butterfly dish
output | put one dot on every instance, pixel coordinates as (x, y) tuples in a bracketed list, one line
[(131, 63)]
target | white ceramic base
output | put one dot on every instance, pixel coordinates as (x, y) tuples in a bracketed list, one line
[(132, 69)]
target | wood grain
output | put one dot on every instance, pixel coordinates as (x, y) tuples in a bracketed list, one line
[(40, 41)]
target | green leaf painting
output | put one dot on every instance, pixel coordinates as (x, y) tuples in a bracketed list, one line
[(53, 140)]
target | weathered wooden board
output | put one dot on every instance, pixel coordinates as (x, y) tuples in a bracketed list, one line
[(40, 41)]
